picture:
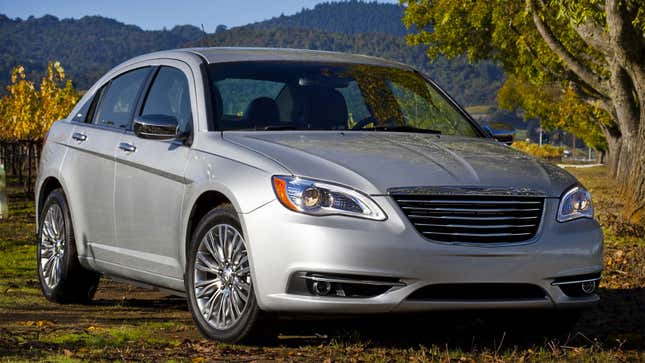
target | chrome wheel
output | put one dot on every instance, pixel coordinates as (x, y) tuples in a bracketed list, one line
[(52, 245), (222, 276)]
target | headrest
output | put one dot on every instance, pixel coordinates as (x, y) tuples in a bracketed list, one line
[(261, 112), (327, 109)]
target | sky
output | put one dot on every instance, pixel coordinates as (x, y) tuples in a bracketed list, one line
[(157, 14)]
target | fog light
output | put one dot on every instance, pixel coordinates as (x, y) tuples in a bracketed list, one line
[(321, 288), (588, 287)]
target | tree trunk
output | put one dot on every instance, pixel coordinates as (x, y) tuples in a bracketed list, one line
[(29, 167), (20, 162), (14, 159), (631, 176)]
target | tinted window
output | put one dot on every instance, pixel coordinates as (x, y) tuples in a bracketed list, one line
[(331, 96), (169, 96), (81, 115), (120, 99), (86, 113)]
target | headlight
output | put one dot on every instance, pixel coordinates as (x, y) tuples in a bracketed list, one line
[(576, 203), (323, 199)]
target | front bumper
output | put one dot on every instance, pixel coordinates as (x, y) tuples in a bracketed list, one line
[(282, 243)]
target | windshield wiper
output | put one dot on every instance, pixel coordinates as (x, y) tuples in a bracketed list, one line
[(280, 127), (403, 129)]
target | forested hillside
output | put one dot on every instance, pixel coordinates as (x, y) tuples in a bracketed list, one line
[(87, 47), (349, 17)]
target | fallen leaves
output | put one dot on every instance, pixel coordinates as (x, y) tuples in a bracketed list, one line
[(38, 323)]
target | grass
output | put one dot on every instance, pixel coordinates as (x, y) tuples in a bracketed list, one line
[(129, 324)]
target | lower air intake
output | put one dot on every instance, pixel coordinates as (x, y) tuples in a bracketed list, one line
[(470, 292)]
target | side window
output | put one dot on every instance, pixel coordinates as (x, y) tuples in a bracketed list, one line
[(120, 99), (81, 115), (169, 96), (86, 113)]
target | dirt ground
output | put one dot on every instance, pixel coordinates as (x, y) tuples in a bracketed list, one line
[(131, 324)]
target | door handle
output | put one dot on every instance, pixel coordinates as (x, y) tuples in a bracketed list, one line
[(79, 136), (127, 147)]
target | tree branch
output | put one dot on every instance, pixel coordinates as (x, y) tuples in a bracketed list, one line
[(594, 36), (627, 40), (586, 75), (628, 44)]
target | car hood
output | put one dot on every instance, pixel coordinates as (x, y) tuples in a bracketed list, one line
[(375, 162)]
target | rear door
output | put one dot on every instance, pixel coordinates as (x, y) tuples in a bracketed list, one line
[(91, 160), (150, 181)]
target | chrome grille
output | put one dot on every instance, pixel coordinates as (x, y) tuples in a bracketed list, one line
[(473, 218)]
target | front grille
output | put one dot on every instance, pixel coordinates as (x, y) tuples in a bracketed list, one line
[(473, 218)]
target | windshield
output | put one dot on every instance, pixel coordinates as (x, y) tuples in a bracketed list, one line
[(315, 96)]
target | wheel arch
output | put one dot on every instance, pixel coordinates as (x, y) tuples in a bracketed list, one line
[(48, 185), (204, 203)]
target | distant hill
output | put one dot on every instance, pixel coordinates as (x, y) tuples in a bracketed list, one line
[(89, 46), (86, 47), (347, 17)]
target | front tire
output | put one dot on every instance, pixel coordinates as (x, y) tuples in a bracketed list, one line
[(218, 279), (62, 278)]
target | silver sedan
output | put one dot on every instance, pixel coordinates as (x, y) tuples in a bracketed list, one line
[(257, 181)]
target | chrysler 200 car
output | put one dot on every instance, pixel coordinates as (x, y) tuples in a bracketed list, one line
[(259, 181)]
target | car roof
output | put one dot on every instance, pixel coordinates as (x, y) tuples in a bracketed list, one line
[(240, 54)]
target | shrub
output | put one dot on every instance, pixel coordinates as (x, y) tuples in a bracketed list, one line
[(543, 152)]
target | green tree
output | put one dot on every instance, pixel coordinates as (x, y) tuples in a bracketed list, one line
[(592, 49), (557, 109)]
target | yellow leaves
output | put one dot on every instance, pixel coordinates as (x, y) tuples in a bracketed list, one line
[(27, 112), (544, 152)]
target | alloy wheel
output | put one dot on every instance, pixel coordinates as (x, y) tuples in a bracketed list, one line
[(222, 279), (52, 245)]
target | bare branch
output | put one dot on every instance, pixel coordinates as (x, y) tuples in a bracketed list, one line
[(585, 74)]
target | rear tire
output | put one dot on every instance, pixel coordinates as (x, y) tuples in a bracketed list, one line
[(62, 278), (218, 281)]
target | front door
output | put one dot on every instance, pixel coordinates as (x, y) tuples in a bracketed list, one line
[(150, 182)]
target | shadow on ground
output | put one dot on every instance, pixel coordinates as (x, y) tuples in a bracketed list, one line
[(618, 319)]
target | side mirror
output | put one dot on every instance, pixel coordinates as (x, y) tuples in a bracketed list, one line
[(502, 132), (156, 127)]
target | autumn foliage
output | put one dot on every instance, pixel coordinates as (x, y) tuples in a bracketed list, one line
[(26, 114), (545, 151)]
